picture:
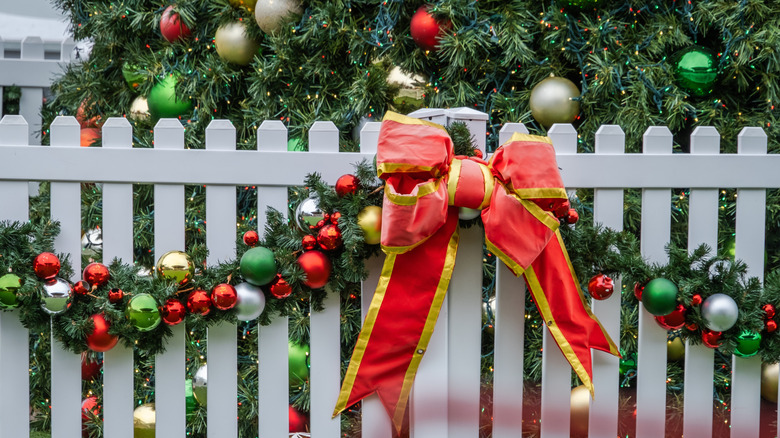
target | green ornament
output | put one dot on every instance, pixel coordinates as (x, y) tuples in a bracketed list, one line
[(627, 365), (695, 70), (143, 313), (660, 297), (298, 363), (134, 75), (9, 285), (748, 343), (163, 102), (189, 398), (295, 144), (258, 266)]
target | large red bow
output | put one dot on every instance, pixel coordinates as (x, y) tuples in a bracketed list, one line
[(425, 185)]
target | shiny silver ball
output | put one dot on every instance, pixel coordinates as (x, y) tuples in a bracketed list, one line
[(720, 312), (552, 101), (199, 385), (251, 302), (92, 241), (308, 213), (56, 296)]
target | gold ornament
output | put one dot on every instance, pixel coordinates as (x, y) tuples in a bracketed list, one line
[(177, 266), (139, 110), (249, 4), (269, 13), (552, 101), (144, 421), (769, 373), (234, 45), (675, 349), (370, 221), (580, 407)]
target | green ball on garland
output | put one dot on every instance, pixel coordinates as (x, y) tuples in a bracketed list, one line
[(143, 313), (696, 70), (298, 360), (134, 75), (9, 285), (258, 266), (163, 102), (660, 297), (748, 343)]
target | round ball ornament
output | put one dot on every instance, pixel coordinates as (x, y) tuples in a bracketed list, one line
[(346, 185), (674, 320), (234, 45), (638, 289), (251, 238), (198, 301), (696, 70), (307, 214), (269, 14), (280, 288), (176, 266), (316, 266), (370, 221), (9, 286), (298, 363), (580, 407), (172, 27), (89, 136), (251, 302), (134, 75), (552, 101), (601, 287), (46, 266), (573, 217), (100, 339), (96, 274), (771, 326), (748, 343), (224, 296), (711, 338), (696, 299), (258, 266), (90, 367), (427, 30), (143, 313), (675, 349), (163, 101), (200, 385), (769, 377), (92, 241), (81, 287), (249, 4), (769, 311), (720, 312), (90, 408), (173, 312), (115, 295), (308, 242), (144, 421), (660, 297), (299, 422), (329, 237), (139, 109), (467, 214), (56, 296)]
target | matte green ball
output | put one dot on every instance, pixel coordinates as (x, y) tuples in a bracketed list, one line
[(660, 297), (258, 266), (143, 313), (748, 343), (163, 102), (695, 70), (9, 285), (298, 363)]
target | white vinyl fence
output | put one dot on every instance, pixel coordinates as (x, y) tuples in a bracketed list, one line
[(445, 399)]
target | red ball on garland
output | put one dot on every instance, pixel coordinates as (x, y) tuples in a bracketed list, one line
[(251, 238), (280, 288), (198, 301), (173, 311), (317, 267), (426, 30), (329, 237), (299, 421), (346, 185), (561, 209), (90, 405), (478, 153), (638, 289), (115, 295), (692, 326), (334, 218), (96, 274), (711, 339), (771, 326), (224, 296), (308, 242), (572, 217), (88, 136), (81, 287), (674, 320), (601, 287), (171, 26), (769, 311), (100, 340), (89, 367), (696, 300), (320, 224), (46, 266)]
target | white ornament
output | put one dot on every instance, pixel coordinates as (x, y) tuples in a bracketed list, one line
[(139, 109), (269, 13)]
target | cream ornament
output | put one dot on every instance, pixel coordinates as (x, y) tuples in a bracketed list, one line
[(139, 109), (552, 101), (269, 14), (234, 44)]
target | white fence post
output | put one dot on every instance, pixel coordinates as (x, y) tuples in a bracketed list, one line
[(32, 97), (475, 120), (65, 365)]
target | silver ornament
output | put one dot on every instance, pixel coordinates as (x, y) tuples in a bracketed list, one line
[(251, 302), (56, 296), (234, 45), (552, 101), (467, 214), (720, 312), (269, 13), (308, 213), (92, 242), (199, 385)]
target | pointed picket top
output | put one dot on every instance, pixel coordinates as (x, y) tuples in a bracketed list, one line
[(564, 138), (169, 134), (14, 131), (751, 140), (657, 140), (610, 139), (324, 137), (117, 133), (32, 48), (272, 136), (465, 113), (221, 135), (65, 131), (369, 137), (705, 140), (508, 129)]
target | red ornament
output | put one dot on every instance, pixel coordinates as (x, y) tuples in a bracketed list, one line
[(326, 217), (224, 296), (692, 326), (96, 274), (320, 224), (173, 312), (771, 326), (329, 237), (115, 295), (317, 267), (299, 421), (100, 340), (769, 311), (81, 117), (334, 218), (81, 287), (89, 136), (251, 238), (638, 289), (346, 185), (309, 242), (600, 287), (426, 30), (478, 153), (280, 288), (171, 26), (199, 302), (696, 300), (90, 367), (572, 217), (711, 339), (90, 406), (561, 209), (46, 266), (674, 320)]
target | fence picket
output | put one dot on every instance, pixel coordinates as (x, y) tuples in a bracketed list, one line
[(32, 97), (118, 243), (66, 366), (750, 229)]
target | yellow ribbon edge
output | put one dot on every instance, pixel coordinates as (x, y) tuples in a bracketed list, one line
[(406, 120), (452, 181)]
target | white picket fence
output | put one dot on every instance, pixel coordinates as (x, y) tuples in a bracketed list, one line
[(445, 399)]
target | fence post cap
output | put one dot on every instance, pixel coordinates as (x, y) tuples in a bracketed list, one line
[(65, 121), (220, 124), (272, 125), (611, 130), (466, 113), (13, 119), (116, 122), (562, 128)]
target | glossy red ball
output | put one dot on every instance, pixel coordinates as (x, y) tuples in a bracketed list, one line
[(90, 367), (320, 224), (100, 340), (711, 339), (81, 287), (692, 326), (251, 238), (561, 209), (317, 267), (171, 26), (46, 266), (173, 312), (96, 274), (299, 421), (638, 289), (769, 311), (198, 301), (329, 237), (346, 185), (334, 218), (90, 406), (771, 326), (696, 299), (674, 320), (572, 217), (601, 287), (308, 242), (224, 296), (426, 30), (280, 288), (115, 295)]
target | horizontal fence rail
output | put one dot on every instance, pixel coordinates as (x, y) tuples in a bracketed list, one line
[(445, 401)]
